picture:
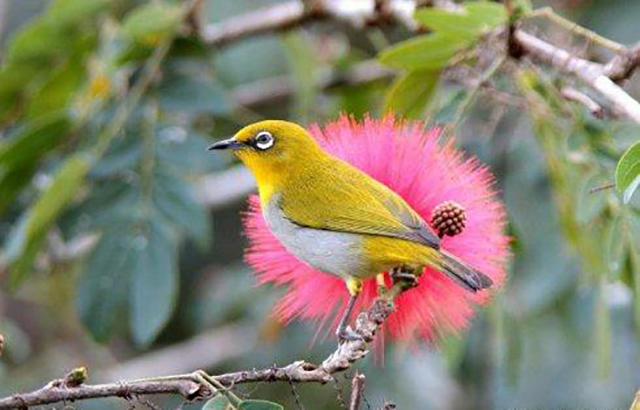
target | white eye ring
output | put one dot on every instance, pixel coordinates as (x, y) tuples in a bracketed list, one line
[(264, 140)]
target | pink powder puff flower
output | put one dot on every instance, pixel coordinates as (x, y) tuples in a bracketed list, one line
[(410, 161)]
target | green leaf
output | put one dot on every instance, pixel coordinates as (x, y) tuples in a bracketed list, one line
[(259, 405), (107, 202), (588, 204), (430, 51), (33, 141), (411, 92), (122, 156), (154, 286), (43, 213), (103, 288), (152, 21), (66, 183), (59, 89), (468, 24), (182, 149), (40, 40), (135, 261), (218, 403), (174, 199), (193, 95), (64, 12), (628, 172), (446, 21), (485, 15), (12, 182)]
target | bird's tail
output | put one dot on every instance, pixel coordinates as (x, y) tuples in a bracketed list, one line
[(466, 276)]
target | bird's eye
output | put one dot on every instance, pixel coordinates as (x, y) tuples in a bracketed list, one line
[(264, 140)]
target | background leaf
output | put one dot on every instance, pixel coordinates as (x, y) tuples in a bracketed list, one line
[(154, 282), (628, 171), (104, 286), (152, 21), (218, 403), (175, 201), (33, 141), (468, 24), (411, 92), (430, 51), (193, 95), (43, 213), (259, 405)]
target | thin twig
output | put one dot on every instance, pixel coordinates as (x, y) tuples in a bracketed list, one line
[(273, 18), (572, 94), (286, 15), (623, 65), (357, 389), (193, 386), (293, 14), (591, 73), (60, 394), (575, 28), (602, 188)]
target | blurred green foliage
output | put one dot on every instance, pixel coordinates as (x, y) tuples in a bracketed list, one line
[(106, 109)]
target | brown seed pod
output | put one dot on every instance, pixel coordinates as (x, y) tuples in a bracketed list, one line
[(448, 218)]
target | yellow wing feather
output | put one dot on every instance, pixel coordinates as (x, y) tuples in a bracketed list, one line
[(313, 201)]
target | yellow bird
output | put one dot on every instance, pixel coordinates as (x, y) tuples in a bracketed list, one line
[(335, 217)]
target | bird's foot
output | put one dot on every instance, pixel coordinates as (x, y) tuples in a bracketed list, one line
[(346, 334), (406, 276)]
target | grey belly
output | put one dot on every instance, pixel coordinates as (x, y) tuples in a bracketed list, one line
[(338, 253)]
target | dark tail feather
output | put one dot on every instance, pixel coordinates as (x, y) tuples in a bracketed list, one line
[(469, 278)]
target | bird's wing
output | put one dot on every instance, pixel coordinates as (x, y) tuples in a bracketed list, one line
[(340, 197)]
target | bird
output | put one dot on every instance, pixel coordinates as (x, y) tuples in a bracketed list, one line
[(335, 217)]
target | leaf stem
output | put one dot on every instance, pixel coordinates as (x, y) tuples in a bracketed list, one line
[(548, 13)]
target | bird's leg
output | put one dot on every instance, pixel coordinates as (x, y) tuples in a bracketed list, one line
[(382, 284), (344, 332), (406, 275)]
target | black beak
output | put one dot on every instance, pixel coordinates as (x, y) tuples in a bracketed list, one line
[(225, 144)]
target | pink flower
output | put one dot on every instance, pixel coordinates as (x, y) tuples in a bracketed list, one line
[(410, 161)]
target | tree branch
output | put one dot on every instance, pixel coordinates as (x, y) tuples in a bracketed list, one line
[(53, 393), (571, 94), (623, 65), (591, 73), (357, 387), (273, 18), (294, 13), (188, 386), (290, 14)]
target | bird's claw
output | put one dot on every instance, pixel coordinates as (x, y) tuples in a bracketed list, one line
[(406, 277)]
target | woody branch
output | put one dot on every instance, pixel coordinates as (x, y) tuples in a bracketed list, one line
[(601, 78), (192, 387)]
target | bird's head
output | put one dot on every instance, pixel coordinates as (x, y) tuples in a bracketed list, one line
[(272, 148)]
